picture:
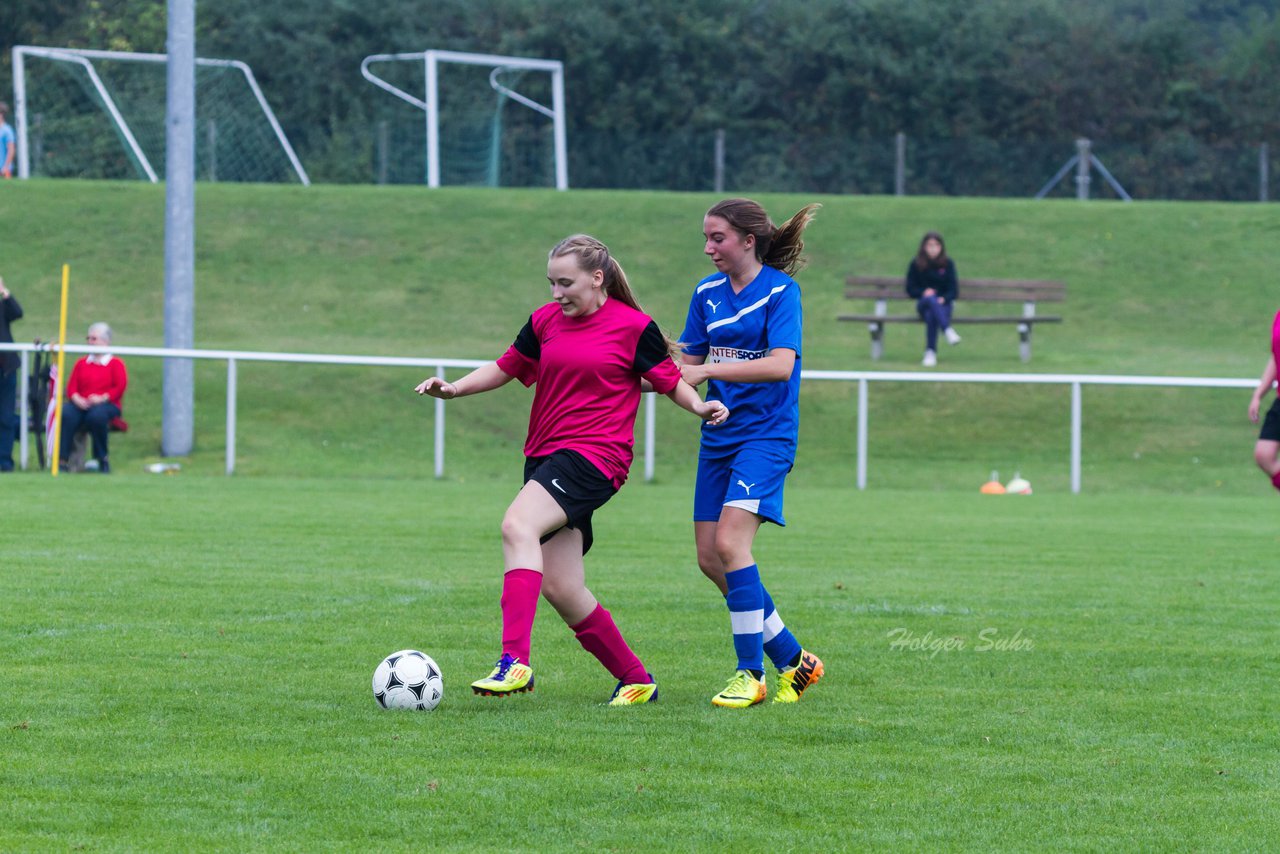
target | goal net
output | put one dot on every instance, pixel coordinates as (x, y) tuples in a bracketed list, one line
[(481, 120), (101, 114)]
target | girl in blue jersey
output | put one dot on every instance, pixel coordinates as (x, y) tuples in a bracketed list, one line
[(743, 336)]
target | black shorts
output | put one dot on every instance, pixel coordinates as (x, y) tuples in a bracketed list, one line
[(1271, 424), (577, 486)]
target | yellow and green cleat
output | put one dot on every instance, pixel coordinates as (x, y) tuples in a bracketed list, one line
[(508, 677), (742, 691), (635, 693), (793, 681)]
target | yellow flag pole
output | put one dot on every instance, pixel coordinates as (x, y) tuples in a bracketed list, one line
[(62, 377)]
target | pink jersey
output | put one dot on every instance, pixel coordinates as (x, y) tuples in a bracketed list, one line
[(588, 371), (1275, 342)]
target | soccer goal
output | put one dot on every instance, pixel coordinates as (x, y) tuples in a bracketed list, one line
[(480, 141), (101, 114)]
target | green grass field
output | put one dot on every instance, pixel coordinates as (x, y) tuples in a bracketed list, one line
[(186, 664), (185, 660)]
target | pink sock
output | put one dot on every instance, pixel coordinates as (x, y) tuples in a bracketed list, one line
[(599, 636), (520, 591), (1275, 480)]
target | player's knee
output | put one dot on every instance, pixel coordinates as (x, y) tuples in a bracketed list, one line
[(1265, 457), (730, 552), (517, 531)]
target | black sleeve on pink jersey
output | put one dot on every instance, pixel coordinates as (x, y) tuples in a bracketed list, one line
[(526, 342), (651, 349)]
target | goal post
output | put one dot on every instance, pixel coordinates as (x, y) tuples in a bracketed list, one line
[(124, 120), (430, 103)]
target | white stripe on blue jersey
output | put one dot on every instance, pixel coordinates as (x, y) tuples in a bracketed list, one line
[(724, 325), (744, 312)]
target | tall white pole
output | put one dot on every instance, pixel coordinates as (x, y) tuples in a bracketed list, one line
[(20, 113), (558, 129), (433, 120), (862, 434), (439, 425), (179, 230), (1076, 419), (650, 442), (231, 416)]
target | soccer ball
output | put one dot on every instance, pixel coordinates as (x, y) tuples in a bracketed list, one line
[(408, 679)]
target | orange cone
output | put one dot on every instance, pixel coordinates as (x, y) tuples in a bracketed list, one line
[(993, 486)]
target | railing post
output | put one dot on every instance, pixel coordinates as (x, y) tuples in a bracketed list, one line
[(718, 171), (1083, 153), (384, 149), (231, 416), (211, 135), (24, 407), (862, 433), (1264, 173), (1075, 438), (650, 408), (439, 449), (900, 164)]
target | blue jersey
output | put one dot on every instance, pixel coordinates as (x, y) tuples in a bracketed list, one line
[(729, 327), (6, 140)]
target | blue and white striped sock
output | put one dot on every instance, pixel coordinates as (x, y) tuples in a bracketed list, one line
[(746, 614), (779, 644)]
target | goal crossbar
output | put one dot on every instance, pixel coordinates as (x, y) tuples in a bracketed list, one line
[(83, 57), (430, 103)]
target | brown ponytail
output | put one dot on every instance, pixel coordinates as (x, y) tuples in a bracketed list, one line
[(777, 246)]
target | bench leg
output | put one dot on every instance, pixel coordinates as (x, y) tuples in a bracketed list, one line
[(877, 340), (1024, 344)]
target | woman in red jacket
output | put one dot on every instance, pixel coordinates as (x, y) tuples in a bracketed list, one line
[(95, 395)]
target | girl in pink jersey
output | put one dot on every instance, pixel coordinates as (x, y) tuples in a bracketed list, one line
[(1265, 451), (586, 353)]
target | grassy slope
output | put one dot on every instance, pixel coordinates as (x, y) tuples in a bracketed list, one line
[(1154, 288)]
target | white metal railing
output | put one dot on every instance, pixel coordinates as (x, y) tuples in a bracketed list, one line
[(440, 367)]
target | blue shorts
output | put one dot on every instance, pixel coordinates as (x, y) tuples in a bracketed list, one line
[(748, 479)]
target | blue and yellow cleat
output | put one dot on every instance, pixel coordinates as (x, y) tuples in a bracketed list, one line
[(508, 677), (793, 681), (635, 693), (742, 691)]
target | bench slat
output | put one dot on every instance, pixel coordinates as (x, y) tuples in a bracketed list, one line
[(968, 296), (900, 282), (904, 318)]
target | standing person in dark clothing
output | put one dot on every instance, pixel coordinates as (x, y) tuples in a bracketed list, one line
[(9, 362), (931, 281)]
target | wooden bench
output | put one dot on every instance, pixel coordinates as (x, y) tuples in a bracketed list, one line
[(885, 288)]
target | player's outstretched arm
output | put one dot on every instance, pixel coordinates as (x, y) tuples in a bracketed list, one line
[(1264, 386), (686, 397), (484, 378), (775, 367)]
